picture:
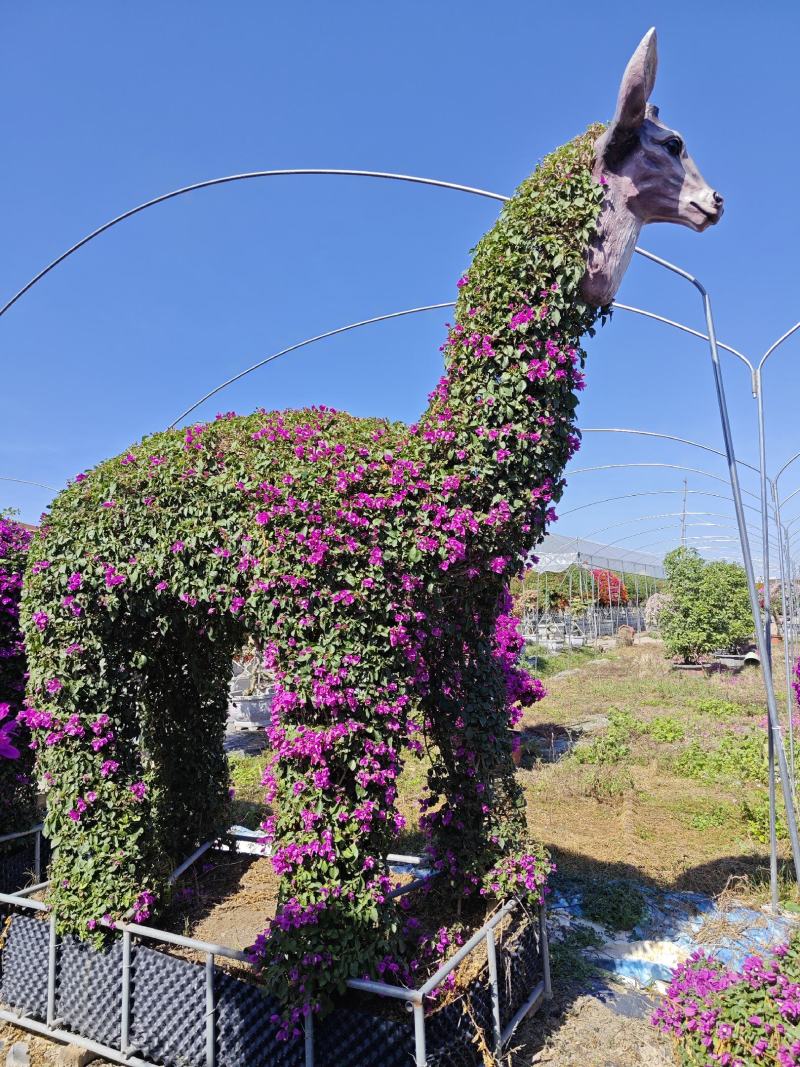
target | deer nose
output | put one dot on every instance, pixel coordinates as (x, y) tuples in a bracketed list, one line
[(719, 200)]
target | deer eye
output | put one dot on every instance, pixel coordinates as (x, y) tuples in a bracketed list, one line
[(674, 145)]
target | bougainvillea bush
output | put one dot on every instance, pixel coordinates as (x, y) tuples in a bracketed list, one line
[(16, 786), (371, 561), (609, 588), (746, 1018)]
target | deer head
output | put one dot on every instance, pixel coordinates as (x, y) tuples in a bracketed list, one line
[(649, 177)]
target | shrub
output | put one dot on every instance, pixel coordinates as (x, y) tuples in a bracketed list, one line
[(716, 1015), (609, 589), (709, 607)]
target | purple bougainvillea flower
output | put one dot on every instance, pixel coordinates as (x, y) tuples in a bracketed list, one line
[(7, 750)]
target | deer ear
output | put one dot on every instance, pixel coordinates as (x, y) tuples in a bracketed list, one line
[(634, 91)]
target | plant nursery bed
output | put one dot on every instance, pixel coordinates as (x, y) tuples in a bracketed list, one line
[(141, 1005)]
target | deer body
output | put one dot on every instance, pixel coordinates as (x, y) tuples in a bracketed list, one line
[(369, 559)]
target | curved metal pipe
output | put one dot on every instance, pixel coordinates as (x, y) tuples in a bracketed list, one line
[(680, 325), (651, 492), (393, 315), (703, 542), (663, 515), (302, 344), (670, 466), (666, 437), (227, 179), (762, 635), (25, 481), (777, 344), (673, 526)]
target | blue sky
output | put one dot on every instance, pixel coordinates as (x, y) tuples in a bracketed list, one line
[(106, 105)]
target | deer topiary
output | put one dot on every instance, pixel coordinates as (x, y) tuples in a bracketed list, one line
[(371, 562)]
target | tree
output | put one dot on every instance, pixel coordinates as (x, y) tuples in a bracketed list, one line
[(709, 609)]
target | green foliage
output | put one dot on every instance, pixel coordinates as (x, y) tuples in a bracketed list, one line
[(711, 817), (616, 905), (606, 749), (568, 962), (737, 758), (17, 790), (666, 728), (612, 746), (717, 708), (709, 607), (754, 811), (544, 664)]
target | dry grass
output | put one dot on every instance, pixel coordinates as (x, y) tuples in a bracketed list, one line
[(639, 817)]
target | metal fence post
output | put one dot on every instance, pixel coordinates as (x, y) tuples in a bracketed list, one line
[(125, 1016), (211, 1012), (420, 1052), (308, 1029), (545, 949), (491, 955), (37, 855), (51, 973)]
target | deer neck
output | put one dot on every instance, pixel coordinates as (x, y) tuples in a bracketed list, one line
[(612, 247)]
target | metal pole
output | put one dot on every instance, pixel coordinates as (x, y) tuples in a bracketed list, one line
[(420, 1053), (491, 955), (784, 569), (683, 519), (211, 1012), (795, 602), (51, 973), (308, 1032), (37, 855), (766, 663), (748, 565), (126, 993), (548, 985)]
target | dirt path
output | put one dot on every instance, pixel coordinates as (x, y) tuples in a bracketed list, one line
[(606, 1026)]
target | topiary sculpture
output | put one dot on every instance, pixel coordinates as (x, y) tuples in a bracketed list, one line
[(371, 561)]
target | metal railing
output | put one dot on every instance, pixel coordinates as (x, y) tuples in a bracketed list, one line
[(414, 998)]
